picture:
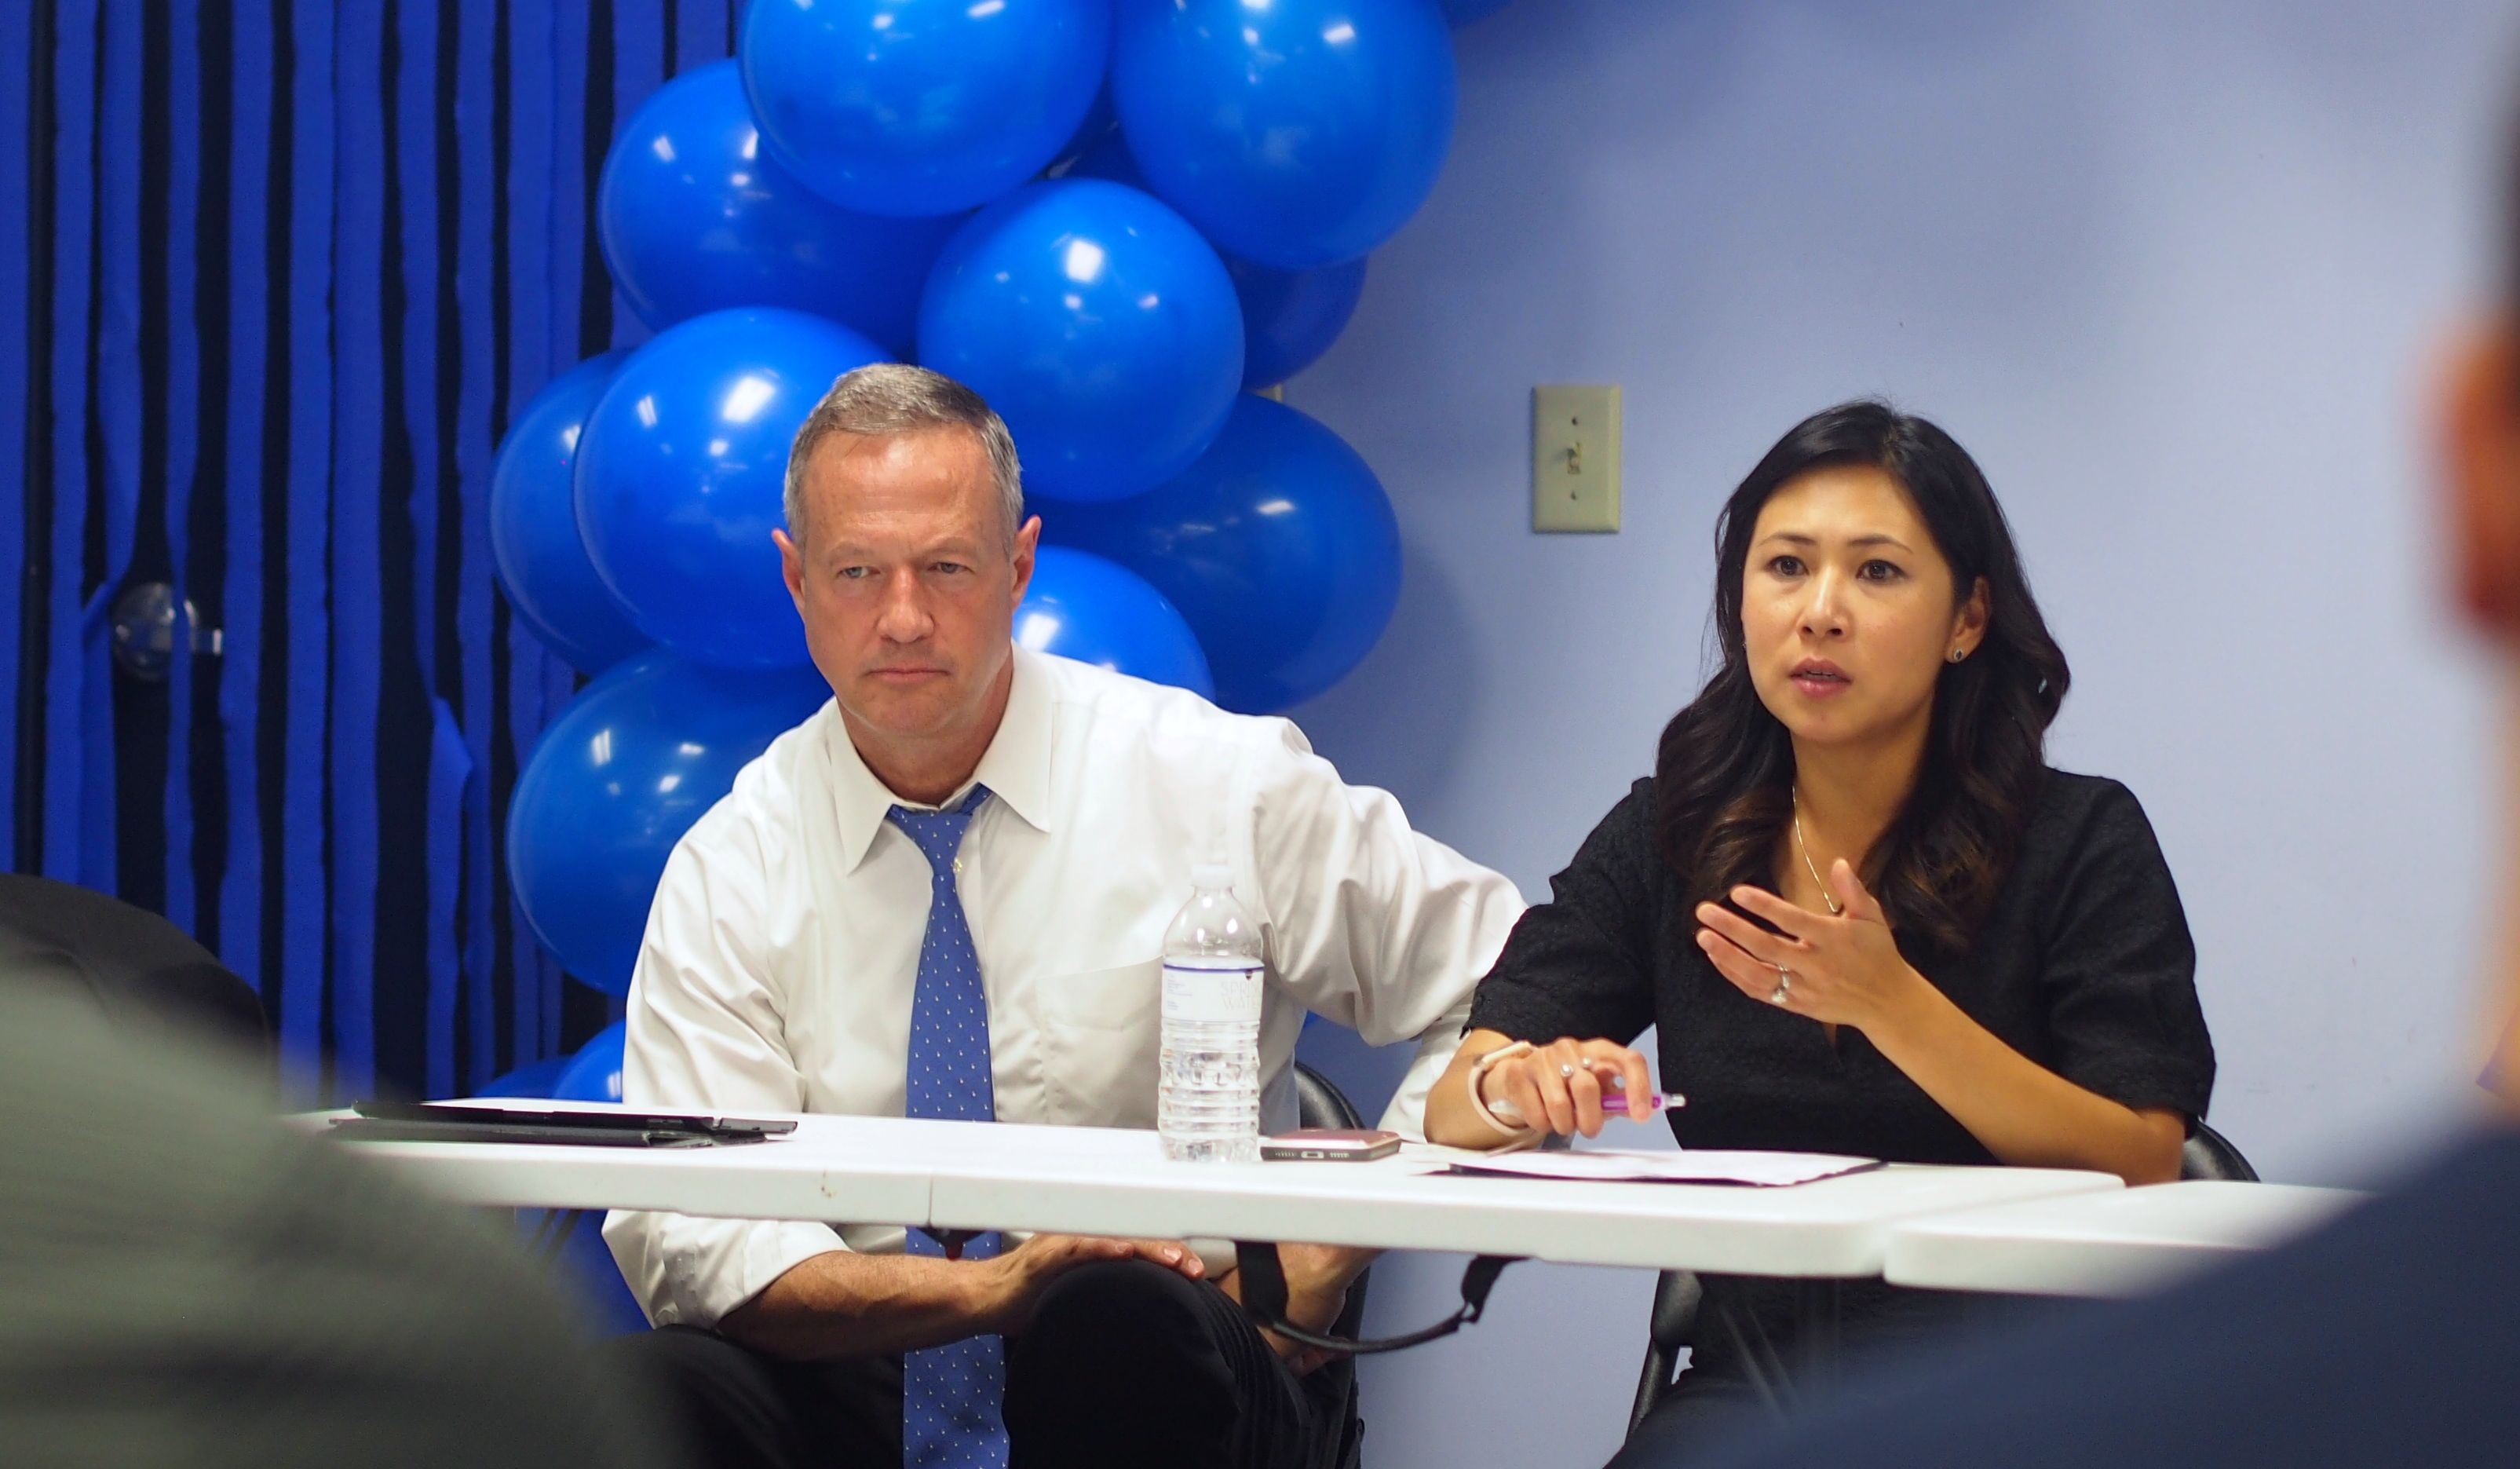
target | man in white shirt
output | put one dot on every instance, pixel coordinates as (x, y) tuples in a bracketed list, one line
[(946, 893)]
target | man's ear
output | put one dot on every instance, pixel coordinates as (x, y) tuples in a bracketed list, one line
[(2481, 478), (1027, 540), (791, 567)]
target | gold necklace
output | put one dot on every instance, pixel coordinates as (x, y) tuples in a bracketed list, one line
[(1835, 908)]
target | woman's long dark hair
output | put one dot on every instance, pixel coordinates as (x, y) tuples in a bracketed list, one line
[(1724, 775)]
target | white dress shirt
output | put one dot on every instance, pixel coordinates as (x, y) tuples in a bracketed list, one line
[(782, 947)]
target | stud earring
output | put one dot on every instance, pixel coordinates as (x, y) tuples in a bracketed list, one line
[(1957, 654)]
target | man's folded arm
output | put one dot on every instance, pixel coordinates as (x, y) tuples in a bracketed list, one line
[(844, 1304), (704, 1035)]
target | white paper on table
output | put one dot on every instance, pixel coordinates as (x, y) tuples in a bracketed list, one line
[(1706, 1166)]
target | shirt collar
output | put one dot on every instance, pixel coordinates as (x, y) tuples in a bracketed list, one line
[(1015, 768)]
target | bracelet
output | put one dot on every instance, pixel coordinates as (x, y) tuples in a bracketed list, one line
[(1516, 1137)]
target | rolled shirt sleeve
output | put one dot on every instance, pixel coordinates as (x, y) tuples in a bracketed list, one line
[(704, 1035), (1369, 922)]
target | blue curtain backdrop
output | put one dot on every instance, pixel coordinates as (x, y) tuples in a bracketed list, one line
[(283, 270)]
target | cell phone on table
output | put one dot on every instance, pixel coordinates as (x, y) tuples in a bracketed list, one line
[(1329, 1145)]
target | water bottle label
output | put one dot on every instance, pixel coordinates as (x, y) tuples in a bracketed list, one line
[(1208, 997)]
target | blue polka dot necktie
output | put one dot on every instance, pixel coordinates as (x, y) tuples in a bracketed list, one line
[(950, 1394)]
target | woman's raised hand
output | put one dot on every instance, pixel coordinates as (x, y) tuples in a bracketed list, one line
[(1844, 969)]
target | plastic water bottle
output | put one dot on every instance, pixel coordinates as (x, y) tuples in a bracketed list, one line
[(1207, 1096)]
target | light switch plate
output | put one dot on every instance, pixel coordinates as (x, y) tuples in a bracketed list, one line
[(1575, 457)]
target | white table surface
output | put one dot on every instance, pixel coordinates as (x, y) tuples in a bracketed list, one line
[(989, 1175), (2104, 1244)]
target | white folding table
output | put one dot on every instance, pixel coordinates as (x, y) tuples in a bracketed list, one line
[(993, 1175), (2120, 1243), (1093, 1180)]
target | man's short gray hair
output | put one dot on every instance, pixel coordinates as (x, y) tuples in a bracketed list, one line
[(885, 400)]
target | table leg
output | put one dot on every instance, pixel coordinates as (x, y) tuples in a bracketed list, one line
[(1818, 1321), (1264, 1280)]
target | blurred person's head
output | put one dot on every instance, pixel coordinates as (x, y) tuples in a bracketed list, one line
[(2481, 540), (1868, 598), (907, 552), (191, 1282)]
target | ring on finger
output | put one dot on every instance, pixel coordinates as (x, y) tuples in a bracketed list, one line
[(1566, 1069), (1784, 991)]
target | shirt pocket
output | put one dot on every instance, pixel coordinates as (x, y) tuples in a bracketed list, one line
[(1103, 1029)]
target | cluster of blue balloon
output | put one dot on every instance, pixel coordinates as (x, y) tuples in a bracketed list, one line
[(593, 1075), (1116, 219)]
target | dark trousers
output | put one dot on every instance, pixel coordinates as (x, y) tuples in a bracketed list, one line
[(1125, 1362)]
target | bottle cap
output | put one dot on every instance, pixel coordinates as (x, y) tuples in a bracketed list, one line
[(1215, 876)]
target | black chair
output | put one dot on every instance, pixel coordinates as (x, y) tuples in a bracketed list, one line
[(1319, 1104), (2210, 1155), (1678, 1294), (142, 973)]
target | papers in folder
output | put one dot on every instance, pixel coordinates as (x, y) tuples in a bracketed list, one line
[(1709, 1166)]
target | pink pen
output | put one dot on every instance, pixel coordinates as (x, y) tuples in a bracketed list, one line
[(1655, 1101)]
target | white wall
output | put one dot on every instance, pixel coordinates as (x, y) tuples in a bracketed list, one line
[(2173, 273)]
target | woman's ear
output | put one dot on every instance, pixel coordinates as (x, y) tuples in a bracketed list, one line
[(1968, 626), (2480, 442)]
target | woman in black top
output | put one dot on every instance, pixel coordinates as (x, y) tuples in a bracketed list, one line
[(1861, 912)]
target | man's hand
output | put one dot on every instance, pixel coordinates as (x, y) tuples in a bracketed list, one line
[(1017, 1279), (1317, 1280)]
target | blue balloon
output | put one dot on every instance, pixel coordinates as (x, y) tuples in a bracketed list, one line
[(589, 1278), (1100, 326), (693, 217), (681, 473), (627, 767), (1083, 607), (1295, 134), (535, 544), (1279, 547), (921, 107), (534, 1079), (1290, 317), (594, 1074)]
